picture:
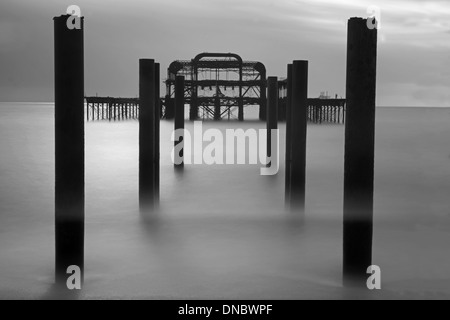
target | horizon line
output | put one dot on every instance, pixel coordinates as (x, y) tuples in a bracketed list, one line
[(384, 106)]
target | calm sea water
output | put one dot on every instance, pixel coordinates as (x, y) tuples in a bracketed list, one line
[(222, 231)]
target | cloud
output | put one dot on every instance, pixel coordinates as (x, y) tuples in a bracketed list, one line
[(413, 47)]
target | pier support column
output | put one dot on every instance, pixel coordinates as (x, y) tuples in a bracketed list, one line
[(193, 112), (147, 134), (217, 109), (288, 134), (299, 129), (241, 109), (263, 97), (272, 113), (179, 120), (69, 148), (359, 150), (157, 132), (241, 98)]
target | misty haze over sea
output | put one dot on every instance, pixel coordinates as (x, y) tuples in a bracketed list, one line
[(222, 231)]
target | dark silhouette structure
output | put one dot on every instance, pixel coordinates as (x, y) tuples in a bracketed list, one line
[(147, 133), (359, 150), (298, 134), (179, 118), (188, 83), (288, 135), (157, 133), (326, 110), (320, 110), (217, 84), (272, 111), (69, 148), (112, 109)]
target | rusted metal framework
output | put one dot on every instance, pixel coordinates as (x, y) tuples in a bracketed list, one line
[(218, 85)]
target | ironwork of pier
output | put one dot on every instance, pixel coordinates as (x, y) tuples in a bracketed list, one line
[(218, 86), (320, 110), (327, 110), (112, 109)]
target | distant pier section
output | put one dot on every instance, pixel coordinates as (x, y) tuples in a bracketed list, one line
[(112, 109), (320, 110), (218, 86), (327, 110)]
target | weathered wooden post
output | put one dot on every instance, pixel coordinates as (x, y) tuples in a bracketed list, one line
[(288, 134), (157, 132), (179, 119), (272, 113), (298, 141), (69, 148), (359, 150), (147, 134)]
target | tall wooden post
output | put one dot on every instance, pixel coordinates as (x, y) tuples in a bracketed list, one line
[(288, 134), (272, 112), (359, 150), (157, 132), (299, 129), (69, 148), (147, 134), (179, 117)]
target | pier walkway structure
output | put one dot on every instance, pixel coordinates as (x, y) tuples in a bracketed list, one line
[(218, 86), (321, 110)]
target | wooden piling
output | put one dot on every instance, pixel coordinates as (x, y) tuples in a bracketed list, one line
[(359, 150), (147, 134), (272, 113), (157, 131), (69, 148), (288, 134), (298, 142), (179, 117)]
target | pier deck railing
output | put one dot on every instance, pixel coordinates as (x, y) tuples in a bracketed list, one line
[(117, 109)]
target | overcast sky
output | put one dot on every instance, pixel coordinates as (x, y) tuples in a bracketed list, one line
[(413, 51)]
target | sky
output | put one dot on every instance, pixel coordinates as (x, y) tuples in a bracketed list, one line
[(413, 46)]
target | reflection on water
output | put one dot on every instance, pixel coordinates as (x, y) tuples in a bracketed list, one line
[(222, 231)]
